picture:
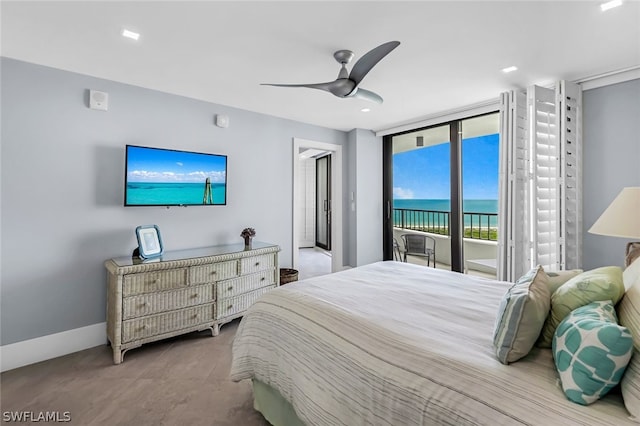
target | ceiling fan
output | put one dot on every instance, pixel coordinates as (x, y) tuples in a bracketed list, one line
[(347, 84)]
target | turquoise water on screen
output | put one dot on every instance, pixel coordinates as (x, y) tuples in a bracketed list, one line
[(164, 194)]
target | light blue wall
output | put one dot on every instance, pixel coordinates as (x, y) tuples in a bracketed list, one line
[(611, 158), (62, 188), (368, 159)]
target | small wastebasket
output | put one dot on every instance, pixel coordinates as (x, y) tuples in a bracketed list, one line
[(288, 275)]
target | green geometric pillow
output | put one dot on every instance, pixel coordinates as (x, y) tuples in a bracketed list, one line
[(597, 284), (557, 278), (591, 352)]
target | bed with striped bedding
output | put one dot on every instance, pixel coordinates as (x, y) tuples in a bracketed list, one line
[(398, 344)]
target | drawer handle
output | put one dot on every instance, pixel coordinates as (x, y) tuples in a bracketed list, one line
[(230, 288), (156, 281), (229, 307), (195, 316), (262, 279), (143, 304), (213, 272), (195, 295), (257, 263)]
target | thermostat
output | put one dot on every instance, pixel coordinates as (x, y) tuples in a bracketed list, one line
[(98, 100)]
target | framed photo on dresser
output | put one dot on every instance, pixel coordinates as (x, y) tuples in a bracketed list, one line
[(149, 241)]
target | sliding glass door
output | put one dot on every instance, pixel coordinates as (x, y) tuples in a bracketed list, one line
[(442, 181)]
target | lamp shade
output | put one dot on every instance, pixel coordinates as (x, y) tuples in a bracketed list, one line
[(622, 217)]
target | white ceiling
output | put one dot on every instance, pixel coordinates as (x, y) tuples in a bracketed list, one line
[(451, 53)]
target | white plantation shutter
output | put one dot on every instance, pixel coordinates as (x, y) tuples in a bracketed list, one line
[(514, 249), (545, 168), (569, 98), (540, 193)]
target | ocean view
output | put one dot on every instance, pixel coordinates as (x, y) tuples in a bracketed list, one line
[(162, 194)]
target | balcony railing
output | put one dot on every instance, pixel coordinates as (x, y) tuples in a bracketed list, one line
[(479, 226)]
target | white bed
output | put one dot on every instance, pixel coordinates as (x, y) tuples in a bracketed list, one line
[(398, 344)]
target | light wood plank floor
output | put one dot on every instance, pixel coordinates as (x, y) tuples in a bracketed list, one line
[(180, 381)]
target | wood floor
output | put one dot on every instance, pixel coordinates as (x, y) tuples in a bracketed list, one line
[(181, 381)]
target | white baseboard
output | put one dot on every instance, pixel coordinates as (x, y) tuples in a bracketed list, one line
[(43, 348)]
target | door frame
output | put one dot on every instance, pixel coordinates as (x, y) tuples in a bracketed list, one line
[(336, 191), (329, 201)]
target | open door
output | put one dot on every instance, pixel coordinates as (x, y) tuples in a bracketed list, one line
[(323, 202)]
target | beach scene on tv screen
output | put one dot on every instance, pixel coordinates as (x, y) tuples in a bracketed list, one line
[(165, 177)]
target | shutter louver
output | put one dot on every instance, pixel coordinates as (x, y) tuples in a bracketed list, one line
[(545, 147), (514, 251), (569, 97)]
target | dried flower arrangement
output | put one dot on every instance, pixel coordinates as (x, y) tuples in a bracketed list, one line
[(248, 233)]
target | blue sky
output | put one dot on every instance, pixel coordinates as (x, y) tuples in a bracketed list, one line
[(424, 173), (160, 165)]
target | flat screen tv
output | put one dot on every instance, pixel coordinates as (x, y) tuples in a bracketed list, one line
[(168, 177)]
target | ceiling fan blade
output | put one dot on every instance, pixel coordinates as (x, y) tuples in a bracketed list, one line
[(370, 59), (321, 86), (366, 95)]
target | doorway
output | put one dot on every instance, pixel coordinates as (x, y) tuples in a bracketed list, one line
[(333, 219)]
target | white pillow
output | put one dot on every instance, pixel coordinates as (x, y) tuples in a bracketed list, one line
[(631, 274), (629, 315)]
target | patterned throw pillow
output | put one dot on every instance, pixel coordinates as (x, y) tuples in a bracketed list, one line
[(629, 311), (591, 352), (521, 316), (597, 284)]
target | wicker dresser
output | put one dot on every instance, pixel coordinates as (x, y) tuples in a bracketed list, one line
[(184, 291)]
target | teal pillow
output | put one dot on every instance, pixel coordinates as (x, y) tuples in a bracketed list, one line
[(597, 284), (521, 316), (591, 352)]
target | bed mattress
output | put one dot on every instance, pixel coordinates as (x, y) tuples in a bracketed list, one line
[(398, 344)]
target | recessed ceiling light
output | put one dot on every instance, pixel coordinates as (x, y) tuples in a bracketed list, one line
[(365, 109), (610, 5), (509, 69), (130, 34)]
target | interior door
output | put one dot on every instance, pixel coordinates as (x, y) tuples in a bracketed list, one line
[(323, 202)]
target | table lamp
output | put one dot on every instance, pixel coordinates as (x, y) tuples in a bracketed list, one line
[(622, 219)]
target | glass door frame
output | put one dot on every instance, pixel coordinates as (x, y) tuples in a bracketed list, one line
[(456, 215)]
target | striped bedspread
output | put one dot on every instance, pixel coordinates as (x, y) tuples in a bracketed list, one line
[(399, 344)]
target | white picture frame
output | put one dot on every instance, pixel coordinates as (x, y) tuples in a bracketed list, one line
[(149, 241)]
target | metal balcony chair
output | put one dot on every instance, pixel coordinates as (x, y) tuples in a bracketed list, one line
[(397, 255), (420, 245)]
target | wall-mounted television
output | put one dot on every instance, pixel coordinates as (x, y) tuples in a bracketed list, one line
[(168, 177)]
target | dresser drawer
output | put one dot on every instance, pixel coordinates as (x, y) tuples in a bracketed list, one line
[(213, 272), (249, 265), (142, 328), (237, 304), (244, 284), (150, 282), (148, 304)]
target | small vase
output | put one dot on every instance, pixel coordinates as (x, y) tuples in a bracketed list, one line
[(247, 243)]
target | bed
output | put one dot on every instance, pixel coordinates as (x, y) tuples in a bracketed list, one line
[(397, 344)]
